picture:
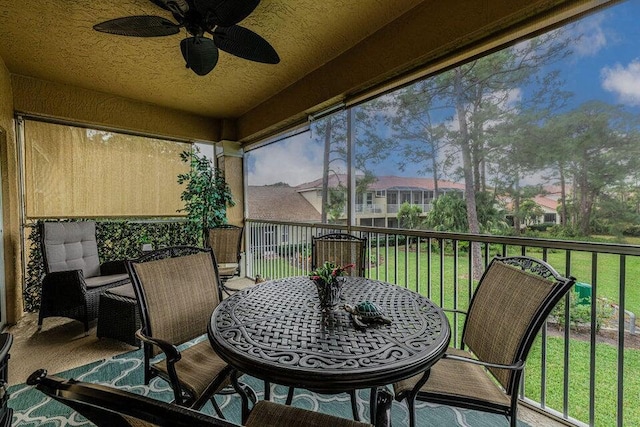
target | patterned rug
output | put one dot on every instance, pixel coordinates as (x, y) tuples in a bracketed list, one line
[(32, 408)]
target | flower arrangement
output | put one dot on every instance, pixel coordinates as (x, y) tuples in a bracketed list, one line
[(328, 272)]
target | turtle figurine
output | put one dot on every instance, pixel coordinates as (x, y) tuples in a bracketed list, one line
[(365, 313)]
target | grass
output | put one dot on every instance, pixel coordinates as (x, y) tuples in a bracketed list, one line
[(606, 395), (424, 274)]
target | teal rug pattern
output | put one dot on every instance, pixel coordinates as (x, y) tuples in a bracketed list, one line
[(32, 408)]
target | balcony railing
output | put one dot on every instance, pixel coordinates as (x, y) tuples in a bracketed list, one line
[(394, 208), (588, 340)]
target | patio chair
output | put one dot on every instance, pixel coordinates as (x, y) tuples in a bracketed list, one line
[(340, 248), (226, 242), (511, 302), (74, 277), (112, 407), (177, 290), (6, 413)]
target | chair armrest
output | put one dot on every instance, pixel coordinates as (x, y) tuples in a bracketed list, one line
[(113, 267), (515, 367), (171, 351), (67, 288)]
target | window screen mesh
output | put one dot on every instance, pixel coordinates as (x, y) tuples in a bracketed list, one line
[(77, 172)]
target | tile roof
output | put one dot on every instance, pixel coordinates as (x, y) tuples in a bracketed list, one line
[(385, 183), (279, 203)]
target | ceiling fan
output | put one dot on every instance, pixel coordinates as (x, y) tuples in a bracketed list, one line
[(217, 18)]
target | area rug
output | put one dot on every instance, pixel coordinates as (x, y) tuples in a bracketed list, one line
[(32, 408)]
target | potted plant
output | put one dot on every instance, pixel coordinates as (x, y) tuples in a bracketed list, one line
[(146, 244), (329, 287), (205, 196)]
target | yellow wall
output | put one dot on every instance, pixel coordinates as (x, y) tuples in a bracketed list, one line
[(10, 211), (54, 100)]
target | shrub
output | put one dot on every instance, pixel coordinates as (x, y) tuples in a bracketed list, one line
[(580, 312)]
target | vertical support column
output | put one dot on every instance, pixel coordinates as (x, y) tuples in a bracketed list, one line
[(351, 167), (229, 160)]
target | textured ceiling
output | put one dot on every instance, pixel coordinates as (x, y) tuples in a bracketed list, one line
[(53, 40)]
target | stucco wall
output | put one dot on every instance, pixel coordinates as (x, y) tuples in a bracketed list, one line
[(10, 212), (48, 99)]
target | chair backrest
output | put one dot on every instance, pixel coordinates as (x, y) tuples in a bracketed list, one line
[(70, 246), (226, 242), (513, 298), (107, 406), (177, 289), (342, 249)]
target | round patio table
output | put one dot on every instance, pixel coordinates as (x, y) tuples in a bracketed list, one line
[(277, 332)]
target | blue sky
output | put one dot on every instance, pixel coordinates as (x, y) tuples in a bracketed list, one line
[(604, 65)]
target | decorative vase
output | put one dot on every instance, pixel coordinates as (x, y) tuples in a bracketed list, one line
[(329, 293)]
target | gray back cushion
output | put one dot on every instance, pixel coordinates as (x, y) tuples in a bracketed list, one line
[(72, 246)]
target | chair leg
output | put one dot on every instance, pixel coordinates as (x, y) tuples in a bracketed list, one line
[(267, 390), (216, 407), (354, 404), (289, 396), (40, 319)]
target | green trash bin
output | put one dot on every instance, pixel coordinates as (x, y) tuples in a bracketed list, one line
[(584, 293)]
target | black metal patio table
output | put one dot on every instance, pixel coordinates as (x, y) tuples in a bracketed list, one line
[(277, 332)]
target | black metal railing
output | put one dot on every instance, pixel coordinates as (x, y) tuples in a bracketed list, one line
[(589, 339)]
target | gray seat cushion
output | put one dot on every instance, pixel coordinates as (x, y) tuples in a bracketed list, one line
[(94, 282), (123, 291), (72, 246)]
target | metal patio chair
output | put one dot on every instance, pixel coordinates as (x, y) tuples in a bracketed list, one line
[(511, 302), (226, 242), (177, 289), (342, 249), (111, 407)]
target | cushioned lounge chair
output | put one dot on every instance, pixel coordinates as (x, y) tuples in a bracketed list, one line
[(74, 277)]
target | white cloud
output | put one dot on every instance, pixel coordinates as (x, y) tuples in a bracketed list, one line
[(294, 161), (590, 37), (623, 81)]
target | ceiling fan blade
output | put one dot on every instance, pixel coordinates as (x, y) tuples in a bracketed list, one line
[(200, 54), (225, 13), (242, 42), (138, 26)]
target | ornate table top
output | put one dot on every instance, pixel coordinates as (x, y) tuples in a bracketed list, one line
[(277, 332)]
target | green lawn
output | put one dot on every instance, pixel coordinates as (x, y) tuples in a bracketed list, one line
[(606, 397), (454, 293)]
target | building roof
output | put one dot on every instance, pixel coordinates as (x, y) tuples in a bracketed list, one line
[(279, 203), (386, 183)]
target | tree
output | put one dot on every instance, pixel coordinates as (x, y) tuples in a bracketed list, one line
[(448, 213), (602, 143), (206, 194), (372, 148), (409, 216)]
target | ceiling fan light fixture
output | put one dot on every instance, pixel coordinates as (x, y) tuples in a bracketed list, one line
[(200, 54)]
